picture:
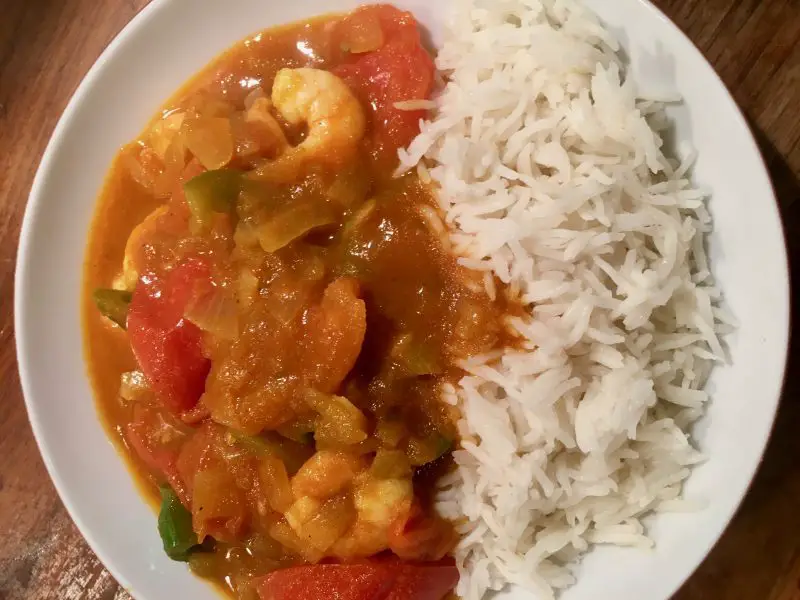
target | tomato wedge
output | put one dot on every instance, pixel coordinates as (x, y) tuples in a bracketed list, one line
[(399, 70), (167, 346), (374, 580), (156, 437)]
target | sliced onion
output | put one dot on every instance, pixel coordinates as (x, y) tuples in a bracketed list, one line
[(133, 386), (361, 32), (163, 132), (215, 312), (254, 94), (210, 139), (143, 164), (331, 522), (248, 287), (293, 223)]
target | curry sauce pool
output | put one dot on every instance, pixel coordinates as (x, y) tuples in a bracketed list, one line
[(270, 316)]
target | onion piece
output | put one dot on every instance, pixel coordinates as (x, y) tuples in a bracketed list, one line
[(331, 522), (254, 94), (215, 312), (164, 131), (210, 139), (248, 287), (361, 32), (293, 223), (133, 386)]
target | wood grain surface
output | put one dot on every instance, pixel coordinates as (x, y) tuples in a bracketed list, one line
[(46, 47)]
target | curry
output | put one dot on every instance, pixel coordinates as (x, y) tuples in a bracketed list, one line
[(270, 314)]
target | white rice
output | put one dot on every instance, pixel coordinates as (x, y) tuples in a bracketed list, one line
[(552, 179)]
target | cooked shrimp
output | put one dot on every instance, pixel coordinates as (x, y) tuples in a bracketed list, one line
[(326, 473), (333, 114)]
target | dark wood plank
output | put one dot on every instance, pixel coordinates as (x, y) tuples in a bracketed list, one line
[(46, 46)]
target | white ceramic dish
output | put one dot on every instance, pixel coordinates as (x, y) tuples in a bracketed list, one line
[(161, 48)]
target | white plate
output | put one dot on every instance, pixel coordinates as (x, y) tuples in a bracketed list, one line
[(168, 42)]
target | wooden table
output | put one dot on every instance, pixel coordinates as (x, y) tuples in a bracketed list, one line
[(46, 47)]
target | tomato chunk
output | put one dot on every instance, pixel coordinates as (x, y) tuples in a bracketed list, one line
[(167, 346), (399, 70), (156, 438), (417, 536), (375, 580), (424, 582)]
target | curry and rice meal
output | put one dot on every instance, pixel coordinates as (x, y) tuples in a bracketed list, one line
[(375, 324)]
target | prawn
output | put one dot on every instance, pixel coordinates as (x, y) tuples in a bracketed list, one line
[(335, 119)]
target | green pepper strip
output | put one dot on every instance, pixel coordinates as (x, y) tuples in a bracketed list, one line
[(211, 192), (175, 526), (113, 304)]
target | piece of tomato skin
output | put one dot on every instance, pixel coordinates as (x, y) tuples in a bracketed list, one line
[(369, 580)]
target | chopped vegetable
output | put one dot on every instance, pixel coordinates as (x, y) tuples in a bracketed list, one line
[(339, 421), (210, 192), (275, 479), (113, 304), (299, 430), (156, 437), (219, 508), (175, 526), (143, 164), (384, 579), (294, 222), (252, 443), (328, 523), (166, 345), (164, 131), (216, 312), (360, 31), (390, 464), (426, 450), (283, 533), (291, 453), (350, 186), (247, 287), (415, 356), (382, 501), (133, 386), (417, 536), (210, 139), (390, 432), (399, 70), (301, 511)]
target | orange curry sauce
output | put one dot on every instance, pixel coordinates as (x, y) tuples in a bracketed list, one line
[(292, 315)]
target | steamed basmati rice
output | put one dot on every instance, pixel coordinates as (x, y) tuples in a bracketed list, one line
[(550, 172)]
